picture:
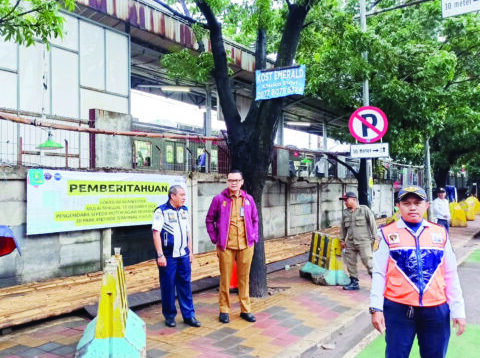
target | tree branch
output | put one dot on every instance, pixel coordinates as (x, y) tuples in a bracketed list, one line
[(10, 12), (5, 19), (349, 167), (185, 8), (224, 86), (458, 82), (175, 12), (308, 24)]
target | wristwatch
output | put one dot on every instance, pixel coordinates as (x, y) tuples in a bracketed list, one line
[(159, 255), (372, 310)]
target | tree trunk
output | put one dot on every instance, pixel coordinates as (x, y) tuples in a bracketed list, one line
[(251, 141), (252, 154)]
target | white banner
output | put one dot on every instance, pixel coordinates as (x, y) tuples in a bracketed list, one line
[(458, 7), (59, 201), (373, 150)]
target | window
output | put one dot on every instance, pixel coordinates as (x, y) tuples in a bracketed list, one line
[(143, 153)]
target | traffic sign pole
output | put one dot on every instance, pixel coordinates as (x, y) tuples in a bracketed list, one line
[(364, 191)]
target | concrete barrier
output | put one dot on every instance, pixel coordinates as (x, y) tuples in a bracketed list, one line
[(116, 331), (324, 264), (458, 215)]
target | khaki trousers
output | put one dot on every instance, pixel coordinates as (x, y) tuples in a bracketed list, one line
[(244, 261), (352, 251)]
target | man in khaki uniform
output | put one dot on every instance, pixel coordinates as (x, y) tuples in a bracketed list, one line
[(358, 230), (232, 224)]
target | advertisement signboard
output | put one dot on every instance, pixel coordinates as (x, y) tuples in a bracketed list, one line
[(59, 201), (279, 82)]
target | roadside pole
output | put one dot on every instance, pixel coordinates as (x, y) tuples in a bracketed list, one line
[(428, 177), (366, 102)]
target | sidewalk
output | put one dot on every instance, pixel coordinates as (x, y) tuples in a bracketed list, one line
[(296, 316)]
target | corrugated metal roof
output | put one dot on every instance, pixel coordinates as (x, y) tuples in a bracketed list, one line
[(150, 17)]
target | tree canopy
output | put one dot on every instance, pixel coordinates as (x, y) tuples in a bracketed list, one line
[(423, 73), (24, 21)]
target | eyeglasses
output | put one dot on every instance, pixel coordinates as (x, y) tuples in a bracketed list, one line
[(233, 181)]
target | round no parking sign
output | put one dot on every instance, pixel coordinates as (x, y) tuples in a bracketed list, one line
[(368, 124)]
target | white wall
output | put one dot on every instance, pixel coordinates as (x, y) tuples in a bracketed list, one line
[(86, 69)]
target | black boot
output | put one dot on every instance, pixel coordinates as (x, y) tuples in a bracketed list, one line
[(353, 285)]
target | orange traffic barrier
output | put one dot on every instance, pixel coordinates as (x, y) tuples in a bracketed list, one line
[(234, 279)]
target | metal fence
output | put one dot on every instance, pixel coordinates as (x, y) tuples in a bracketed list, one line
[(71, 144)]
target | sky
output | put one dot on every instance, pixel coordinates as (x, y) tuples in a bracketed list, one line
[(150, 108)]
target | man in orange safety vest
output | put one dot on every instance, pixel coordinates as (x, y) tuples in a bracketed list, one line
[(415, 286)]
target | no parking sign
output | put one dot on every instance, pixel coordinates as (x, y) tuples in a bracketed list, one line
[(368, 124)]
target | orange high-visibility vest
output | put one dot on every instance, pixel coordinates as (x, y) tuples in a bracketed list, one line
[(415, 272)]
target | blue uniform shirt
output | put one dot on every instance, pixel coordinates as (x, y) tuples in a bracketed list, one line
[(174, 227)]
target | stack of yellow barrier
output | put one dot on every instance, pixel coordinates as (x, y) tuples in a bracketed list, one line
[(324, 264), (469, 208), (473, 201), (458, 215), (116, 331)]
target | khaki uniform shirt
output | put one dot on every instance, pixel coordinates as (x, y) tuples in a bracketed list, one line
[(358, 226), (237, 240)]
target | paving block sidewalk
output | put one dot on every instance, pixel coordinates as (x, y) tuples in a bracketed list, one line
[(294, 317)]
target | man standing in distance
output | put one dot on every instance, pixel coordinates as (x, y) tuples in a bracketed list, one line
[(441, 209), (415, 286), (358, 229), (171, 237), (232, 223)]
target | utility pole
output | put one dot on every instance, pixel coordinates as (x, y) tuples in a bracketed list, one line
[(365, 190), (428, 177)]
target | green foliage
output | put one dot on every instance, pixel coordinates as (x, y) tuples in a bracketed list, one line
[(199, 31), (183, 64), (240, 23), (423, 72), (24, 21)]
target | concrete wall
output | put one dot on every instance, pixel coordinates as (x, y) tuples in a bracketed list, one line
[(113, 151), (289, 208)]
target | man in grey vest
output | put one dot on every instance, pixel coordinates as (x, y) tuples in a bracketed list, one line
[(357, 230)]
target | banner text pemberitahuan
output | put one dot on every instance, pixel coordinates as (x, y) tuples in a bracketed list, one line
[(80, 187)]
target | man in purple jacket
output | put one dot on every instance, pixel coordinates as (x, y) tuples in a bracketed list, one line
[(232, 223)]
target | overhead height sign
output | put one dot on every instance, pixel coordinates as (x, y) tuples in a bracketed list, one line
[(458, 7), (279, 82), (368, 124)]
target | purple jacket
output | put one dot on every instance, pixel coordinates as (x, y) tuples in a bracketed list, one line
[(218, 219)]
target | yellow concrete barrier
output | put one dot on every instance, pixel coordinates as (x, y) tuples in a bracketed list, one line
[(113, 306), (116, 332), (325, 262), (458, 215), (473, 201), (469, 209)]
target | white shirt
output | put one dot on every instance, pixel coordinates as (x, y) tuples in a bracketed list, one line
[(380, 263), (440, 209)]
